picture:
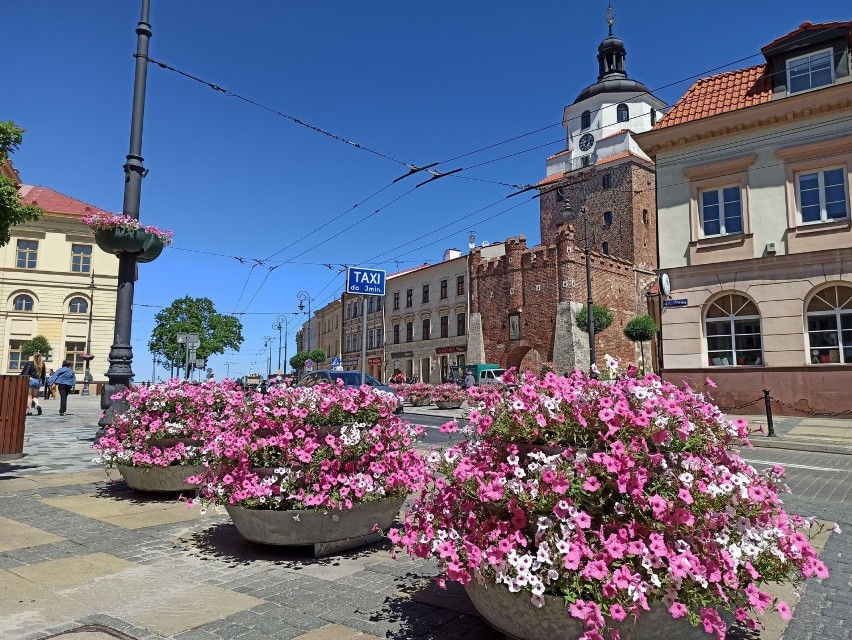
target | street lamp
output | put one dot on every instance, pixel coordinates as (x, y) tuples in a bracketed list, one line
[(303, 296), (87, 375), (267, 342), (281, 322), (589, 302)]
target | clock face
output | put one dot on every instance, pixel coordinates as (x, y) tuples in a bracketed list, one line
[(587, 141)]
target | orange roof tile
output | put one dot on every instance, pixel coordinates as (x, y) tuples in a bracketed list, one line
[(618, 156), (808, 26), (55, 202), (549, 179), (556, 155), (721, 93)]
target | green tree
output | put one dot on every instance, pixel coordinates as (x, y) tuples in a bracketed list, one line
[(298, 361), (39, 344), (317, 355), (603, 318), (12, 209), (641, 329), (216, 331)]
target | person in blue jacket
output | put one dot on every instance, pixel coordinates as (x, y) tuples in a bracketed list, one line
[(65, 379)]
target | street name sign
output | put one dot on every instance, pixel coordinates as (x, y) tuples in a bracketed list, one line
[(677, 302), (370, 282)]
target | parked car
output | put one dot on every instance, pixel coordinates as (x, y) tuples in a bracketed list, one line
[(350, 379)]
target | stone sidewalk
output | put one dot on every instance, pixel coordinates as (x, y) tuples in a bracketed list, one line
[(83, 557)]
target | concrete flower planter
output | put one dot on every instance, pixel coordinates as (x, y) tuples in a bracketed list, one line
[(454, 404), (161, 479), (327, 531), (516, 616)]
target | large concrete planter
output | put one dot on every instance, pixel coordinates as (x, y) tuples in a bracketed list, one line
[(160, 479), (327, 531), (516, 616), (447, 404)]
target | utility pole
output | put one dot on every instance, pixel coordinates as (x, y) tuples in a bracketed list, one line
[(267, 342), (281, 323), (120, 358), (589, 303), (87, 375), (302, 297)]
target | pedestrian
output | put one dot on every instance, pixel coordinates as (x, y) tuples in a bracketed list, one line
[(65, 379), (469, 381), (47, 386), (34, 370)]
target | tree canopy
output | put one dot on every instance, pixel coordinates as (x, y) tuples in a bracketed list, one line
[(603, 318), (39, 344), (640, 329), (216, 331), (298, 361), (12, 209)]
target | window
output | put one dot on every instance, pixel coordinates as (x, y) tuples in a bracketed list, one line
[(822, 195), (514, 326), (644, 216), (445, 326), (605, 248), (607, 181), (23, 302), (396, 301), (408, 296), (81, 258), (460, 324), (370, 304), (348, 342), (721, 211), (460, 286), (27, 253), (732, 326), (607, 218), (427, 329), (16, 358), (810, 71), (379, 303), (653, 117), (622, 113), (396, 334), (74, 352), (409, 331), (560, 195), (443, 289), (378, 338), (78, 305), (370, 339), (425, 293), (348, 311), (829, 318), (586, 120)]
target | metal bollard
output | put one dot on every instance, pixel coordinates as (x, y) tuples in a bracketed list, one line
[(770, 431)]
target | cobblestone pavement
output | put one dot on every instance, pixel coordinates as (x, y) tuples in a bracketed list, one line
[(78, 548)]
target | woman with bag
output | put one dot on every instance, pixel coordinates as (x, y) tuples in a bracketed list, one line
[(34, 370), (65, 379)]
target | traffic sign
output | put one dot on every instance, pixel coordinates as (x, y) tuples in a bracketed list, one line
[(369, 282), (309, 365), (335, 362)]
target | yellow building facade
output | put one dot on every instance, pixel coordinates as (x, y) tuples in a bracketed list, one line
[(56, 282)]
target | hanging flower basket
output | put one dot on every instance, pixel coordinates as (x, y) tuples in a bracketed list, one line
[(119, 234)]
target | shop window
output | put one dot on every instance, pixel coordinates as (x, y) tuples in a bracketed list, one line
[(732, 328), (829, 320)]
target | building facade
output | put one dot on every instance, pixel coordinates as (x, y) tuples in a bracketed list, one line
[(426, 319), (56, 282), (753, 170), (601, 187), (352, 319), (328, 332)]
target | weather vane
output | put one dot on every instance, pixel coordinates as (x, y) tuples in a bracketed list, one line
[(610, 17)]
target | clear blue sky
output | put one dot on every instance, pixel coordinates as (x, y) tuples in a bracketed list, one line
[(421, 82)]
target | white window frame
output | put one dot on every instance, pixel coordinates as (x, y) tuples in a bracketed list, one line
[(27, 252), (24, 297), (823, 215), (78, 300), (838, 312), (789, 63), (720, 190), (731, 321), (83, 259)]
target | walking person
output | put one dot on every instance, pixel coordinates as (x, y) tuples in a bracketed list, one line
[(47, 386), (34, 370), (65, 379)]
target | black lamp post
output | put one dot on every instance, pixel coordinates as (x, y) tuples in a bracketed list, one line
[(120, 358), (87, 375), (281, 323), (267, 342), (589, 303), (304, 296)]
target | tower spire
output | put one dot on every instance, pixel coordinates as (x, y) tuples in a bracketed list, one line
[(610, 17)]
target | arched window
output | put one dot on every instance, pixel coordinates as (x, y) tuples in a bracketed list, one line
[(732, 327), (586, 120), (829, 317), (78, 305), (23, 302), (622, 113)]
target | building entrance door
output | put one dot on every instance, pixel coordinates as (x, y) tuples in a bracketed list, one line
[(425, 369)]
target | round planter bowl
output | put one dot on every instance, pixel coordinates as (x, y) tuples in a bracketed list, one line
[(146, 246), (299, 528), (449, 404), (516, 616), (420, 403), (162, 479)]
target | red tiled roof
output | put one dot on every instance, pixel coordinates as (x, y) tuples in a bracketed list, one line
[(618, 156), (549, 179), (55, 202), (807, 26), (721, 93), (556, 155)]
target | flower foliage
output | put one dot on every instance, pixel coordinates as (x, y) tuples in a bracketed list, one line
[(448, 392), (166, 424), (633, 495), (418, 393), (327, 446), (103, 221)]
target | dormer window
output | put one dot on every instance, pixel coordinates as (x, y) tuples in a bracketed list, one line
[(586, 120), (810, 71), (622, 113)]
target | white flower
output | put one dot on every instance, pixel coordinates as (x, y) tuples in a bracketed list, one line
[(686, 478), (538, 600)]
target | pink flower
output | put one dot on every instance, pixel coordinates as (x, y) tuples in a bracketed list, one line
[(592, 484), (783, 610), (677, 610)]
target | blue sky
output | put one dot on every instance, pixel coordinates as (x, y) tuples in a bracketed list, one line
[(419, 82)]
